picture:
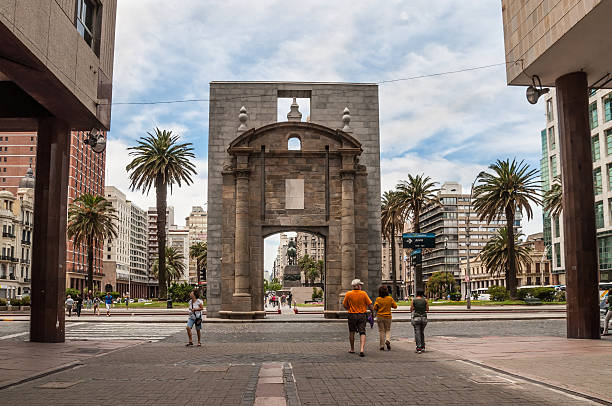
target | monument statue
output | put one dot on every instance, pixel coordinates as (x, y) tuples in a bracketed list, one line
[(292, 252)]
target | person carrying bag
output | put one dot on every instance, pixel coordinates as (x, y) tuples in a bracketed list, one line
[(196, 305)]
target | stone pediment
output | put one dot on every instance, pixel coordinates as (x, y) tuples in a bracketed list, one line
[(285, 130)]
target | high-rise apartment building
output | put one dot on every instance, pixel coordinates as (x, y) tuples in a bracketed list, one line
[(600, 119), (87, 174), (126, 256), (447, 219), (311, 245), (16, 216), (152, 242), (178, 238), (196, 223), (400, 264)]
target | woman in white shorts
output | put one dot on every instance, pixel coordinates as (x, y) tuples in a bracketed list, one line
[(196, 305)]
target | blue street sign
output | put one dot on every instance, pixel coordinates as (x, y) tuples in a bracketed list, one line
[(418, 240), (415, 252)]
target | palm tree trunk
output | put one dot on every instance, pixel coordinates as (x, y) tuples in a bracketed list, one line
[(161, 192), (511, 271), (393, 260), (198, 271), (90, 261), (418, 270)]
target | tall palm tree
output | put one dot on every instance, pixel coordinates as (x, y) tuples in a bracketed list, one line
[(199, 252), (160, 161), (553, 198), (91, 219), (392, 222), (175, 266), (512, 186), (494, 255), (413, 195)]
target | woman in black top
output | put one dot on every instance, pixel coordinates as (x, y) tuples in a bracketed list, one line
[(419, 309)]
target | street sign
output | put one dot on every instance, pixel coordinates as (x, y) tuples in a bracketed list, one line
[(418, 240)]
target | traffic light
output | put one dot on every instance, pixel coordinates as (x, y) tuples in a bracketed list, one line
[(203, 274)]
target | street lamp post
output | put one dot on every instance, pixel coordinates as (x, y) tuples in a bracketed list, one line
[(468, 282)]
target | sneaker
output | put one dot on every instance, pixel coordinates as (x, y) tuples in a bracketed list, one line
[(388, 345)]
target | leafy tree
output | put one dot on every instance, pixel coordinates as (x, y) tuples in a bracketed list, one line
[(199, 252), (175, 266), (441, 283), (494, 255), (512, 186), (180, 292), (413, 195), (553, 198), (317, 293), (91, 220), (310, 268), (392, 221), (160, 161), (274, 285)]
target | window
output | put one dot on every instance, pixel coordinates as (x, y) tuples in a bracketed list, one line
[(551, 137), (86, 11), (557, 227), (597, 181), (593, 115), (607, 105), (549, 110), (599, 214), (604, 246), (294, 144), (558, 255), (553, 165), (595, 148)]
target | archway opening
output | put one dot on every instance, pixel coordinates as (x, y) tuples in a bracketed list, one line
[(294, 271)]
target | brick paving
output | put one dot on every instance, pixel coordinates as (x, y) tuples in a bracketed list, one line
[(233, 368)]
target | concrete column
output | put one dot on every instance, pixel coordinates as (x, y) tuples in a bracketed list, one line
[(242, 295), (348, 229), (578, 206), (49, 240)]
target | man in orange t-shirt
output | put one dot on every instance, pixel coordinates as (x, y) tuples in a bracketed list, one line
[(357, 302)]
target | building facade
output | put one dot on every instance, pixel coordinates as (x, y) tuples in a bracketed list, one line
[(400, 265), (152, 243), (537, 272), (126, 255), (86, 175), (448, 220), (16, 216), (600, 120), (178, 238), (196, 223)]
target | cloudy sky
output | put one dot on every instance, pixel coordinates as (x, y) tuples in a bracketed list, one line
[(449, 126)]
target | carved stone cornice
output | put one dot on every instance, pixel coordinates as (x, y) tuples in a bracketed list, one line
[(242, 173), (347, 174)]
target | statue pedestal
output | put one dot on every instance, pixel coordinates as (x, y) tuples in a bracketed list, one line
[(292, 277)]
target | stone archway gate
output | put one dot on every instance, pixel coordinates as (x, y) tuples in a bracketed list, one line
[(257, 187)]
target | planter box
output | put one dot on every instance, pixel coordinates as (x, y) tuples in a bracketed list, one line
[(26, 308), (3, 308)]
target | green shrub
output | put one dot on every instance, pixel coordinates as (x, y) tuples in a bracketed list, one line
[(455, 296), (317, 293), (523, 293), (560, 296), (498, 293), (15, 302), (180, 293), (72, 292), (544, 294)]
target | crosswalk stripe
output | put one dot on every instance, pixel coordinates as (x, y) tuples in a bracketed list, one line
[(122, 331)]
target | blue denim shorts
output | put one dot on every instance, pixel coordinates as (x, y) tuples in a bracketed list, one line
[(191, 323)]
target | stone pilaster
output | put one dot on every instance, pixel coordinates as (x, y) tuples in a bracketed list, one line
[(348, 228)]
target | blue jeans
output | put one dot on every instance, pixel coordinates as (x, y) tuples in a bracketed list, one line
[(419, 323)]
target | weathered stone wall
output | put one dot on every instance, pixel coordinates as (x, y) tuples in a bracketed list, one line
[(327, 103)]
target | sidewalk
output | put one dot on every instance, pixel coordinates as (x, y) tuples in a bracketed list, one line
[(582, 366)]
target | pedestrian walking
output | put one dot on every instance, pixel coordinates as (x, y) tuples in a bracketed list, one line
[(290, 299), (89, 299), (79, 304), (357, 302), (196, 305), (609, 312), (108, 301), (69, 303), (283, 299), (96, 306), (419, 309), (127, 301), (383, 305), (273, 301)]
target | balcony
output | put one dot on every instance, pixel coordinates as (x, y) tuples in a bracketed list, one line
[(25, 260), (26, 242), (8, 258), (12, 277), (27, 280), (9, 235)]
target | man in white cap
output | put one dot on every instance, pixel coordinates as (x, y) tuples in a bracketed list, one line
[(357, 302)]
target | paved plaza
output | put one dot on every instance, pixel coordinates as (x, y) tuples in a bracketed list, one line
[(480, 362)]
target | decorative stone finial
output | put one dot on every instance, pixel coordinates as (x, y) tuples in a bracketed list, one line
[(346, 119), (294, 114), (243, 119)]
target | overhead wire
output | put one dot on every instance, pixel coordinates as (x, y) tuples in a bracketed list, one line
[(198, 100)]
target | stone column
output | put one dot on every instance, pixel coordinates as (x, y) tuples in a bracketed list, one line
[(242, 292), (348, 229), (578, 206), (49, 242)]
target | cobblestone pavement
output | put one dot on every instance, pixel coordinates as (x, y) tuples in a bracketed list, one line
[(229, 369)]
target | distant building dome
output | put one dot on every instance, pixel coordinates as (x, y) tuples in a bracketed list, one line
[(27, 182)]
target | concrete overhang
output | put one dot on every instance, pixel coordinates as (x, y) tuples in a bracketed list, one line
[(587, 47), (18, 65)]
